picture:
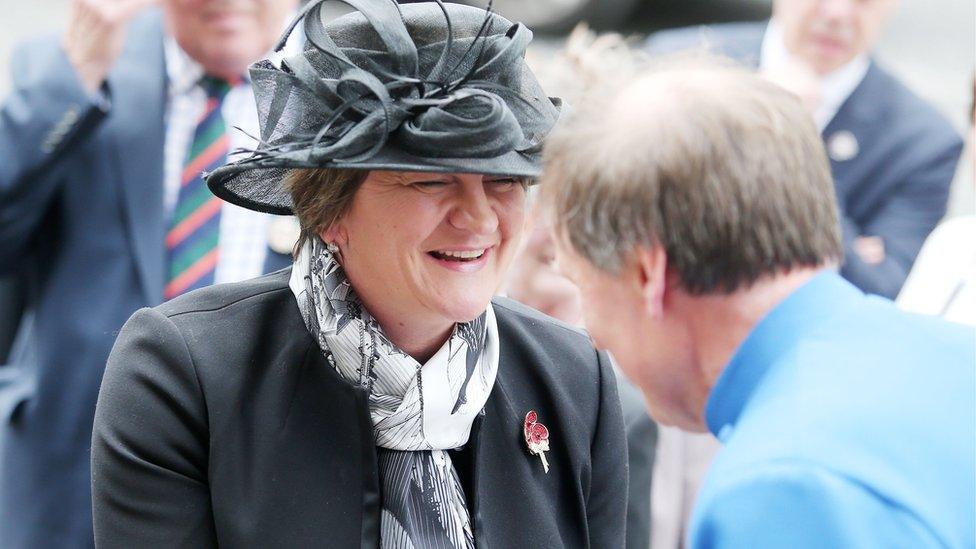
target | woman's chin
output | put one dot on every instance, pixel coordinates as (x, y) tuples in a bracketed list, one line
[(462, 308)]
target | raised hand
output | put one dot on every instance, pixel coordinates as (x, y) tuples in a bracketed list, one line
[(95, 35)]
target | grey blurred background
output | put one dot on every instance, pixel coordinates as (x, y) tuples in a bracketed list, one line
[(930, 45)]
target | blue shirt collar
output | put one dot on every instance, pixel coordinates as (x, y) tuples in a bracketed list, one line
[(773, 337)]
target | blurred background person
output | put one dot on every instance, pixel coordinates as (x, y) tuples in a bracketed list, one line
[(103, 210), (534, 279), (943, 280), (892, 155), (695, 210)]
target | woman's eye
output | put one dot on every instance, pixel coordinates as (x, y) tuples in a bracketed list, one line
[(431, 185), (503, 184)]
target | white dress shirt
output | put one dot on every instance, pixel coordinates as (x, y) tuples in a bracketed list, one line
[(243, 233), (835, 87), (943, 279)]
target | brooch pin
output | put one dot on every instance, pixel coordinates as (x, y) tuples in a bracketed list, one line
[(537, 438)]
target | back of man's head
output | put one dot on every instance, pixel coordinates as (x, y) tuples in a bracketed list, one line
[(723, 170)]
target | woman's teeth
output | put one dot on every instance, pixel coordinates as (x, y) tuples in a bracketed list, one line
[(458, 256)]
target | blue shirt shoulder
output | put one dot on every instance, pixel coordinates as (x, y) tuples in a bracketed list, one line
[(837, 412)]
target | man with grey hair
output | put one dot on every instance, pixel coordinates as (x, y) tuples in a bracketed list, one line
[(695, 210)]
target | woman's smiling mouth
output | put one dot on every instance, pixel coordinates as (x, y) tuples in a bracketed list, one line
[(461, 260), (459, 255)]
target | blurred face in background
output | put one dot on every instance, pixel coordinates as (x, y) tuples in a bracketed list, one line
[(225, 36), (828, 33), (535, 280)]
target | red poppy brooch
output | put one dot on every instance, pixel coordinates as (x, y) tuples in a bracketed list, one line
[(537, 437)]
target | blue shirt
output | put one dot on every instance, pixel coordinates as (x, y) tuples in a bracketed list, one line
[(845, 423)]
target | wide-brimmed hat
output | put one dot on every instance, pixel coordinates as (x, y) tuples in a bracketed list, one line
[(427, 87)]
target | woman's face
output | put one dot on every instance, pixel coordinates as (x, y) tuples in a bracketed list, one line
[(428, 249)]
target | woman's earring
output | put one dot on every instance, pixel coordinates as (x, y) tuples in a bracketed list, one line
[(333, 249)]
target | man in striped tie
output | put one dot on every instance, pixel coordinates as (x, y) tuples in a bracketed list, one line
[(103, 211)]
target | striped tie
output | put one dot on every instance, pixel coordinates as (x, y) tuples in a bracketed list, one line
[(191, 243)]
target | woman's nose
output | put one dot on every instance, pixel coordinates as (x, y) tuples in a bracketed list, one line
[(473, 211)]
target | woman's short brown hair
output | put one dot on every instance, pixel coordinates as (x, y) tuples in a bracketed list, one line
[(320, 197)]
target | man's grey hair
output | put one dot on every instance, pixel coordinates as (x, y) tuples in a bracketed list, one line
[(723, 169)]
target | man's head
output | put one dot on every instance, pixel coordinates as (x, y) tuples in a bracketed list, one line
[(225, 36), (686, 188), (828, 33)]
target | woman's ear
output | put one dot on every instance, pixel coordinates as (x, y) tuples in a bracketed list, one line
[(652, 266), (335, 233)]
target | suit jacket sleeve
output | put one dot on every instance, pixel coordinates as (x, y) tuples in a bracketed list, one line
[(903, 222), (800, 506), (606, 504), (45, 117), (150, 443)]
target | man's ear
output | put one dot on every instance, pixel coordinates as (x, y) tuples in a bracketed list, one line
[(652, 265)]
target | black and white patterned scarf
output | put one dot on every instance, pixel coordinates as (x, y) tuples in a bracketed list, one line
[(418, 411)]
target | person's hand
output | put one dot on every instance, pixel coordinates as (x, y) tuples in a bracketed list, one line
[(95, 35), (870, 249)]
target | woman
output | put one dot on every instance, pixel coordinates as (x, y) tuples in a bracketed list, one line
[(374, 394)]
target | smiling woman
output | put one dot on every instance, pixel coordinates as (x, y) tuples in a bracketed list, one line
[(375, 393), (438, 261)]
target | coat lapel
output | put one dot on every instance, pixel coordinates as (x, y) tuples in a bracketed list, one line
[(138, 88), (511, 500), (318, 478)]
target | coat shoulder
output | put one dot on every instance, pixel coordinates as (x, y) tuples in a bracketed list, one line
[(558, 352), (909, 117), (267, 288), (522, 317)]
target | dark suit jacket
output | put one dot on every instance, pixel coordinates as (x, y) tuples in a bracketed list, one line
[(897, 184), (11, 310), (642, 435), (81, 219), (219, 421)]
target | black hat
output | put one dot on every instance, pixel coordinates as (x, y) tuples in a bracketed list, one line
[(428, 87)]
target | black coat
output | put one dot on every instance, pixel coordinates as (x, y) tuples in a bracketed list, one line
[(219, 422)]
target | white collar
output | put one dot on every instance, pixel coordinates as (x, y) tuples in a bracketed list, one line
[(183, 72), (835, 87)]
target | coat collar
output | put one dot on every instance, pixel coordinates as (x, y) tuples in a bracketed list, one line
[(864, 105), (512, 502)]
